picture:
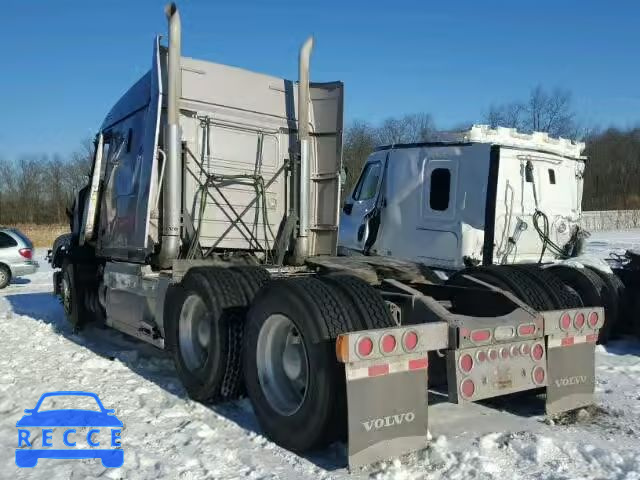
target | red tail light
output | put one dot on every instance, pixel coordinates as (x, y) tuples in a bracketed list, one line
[(388, 343), (26, 253), (467, 388), (480, 335), (538, 375), (466, 363), (528, 329), (593, 319), (565, 322), (578, 322), (410, 340), (537, 352), (365, 347)]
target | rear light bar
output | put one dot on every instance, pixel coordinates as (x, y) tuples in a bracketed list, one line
[(535, 350), (572, 322), (485, 371), (371, 345)]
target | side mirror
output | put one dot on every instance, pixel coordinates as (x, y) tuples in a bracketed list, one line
[(28, 410)]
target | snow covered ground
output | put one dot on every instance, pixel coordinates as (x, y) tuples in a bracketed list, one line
[(602, 243), (166, 435)]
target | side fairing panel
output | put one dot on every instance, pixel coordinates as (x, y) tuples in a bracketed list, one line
[(130, 168)]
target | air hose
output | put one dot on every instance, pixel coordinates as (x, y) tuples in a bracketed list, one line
[(543, 232)]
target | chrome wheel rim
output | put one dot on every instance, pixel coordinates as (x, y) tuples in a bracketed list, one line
[(283, 364), (3, 276), (194, 334)]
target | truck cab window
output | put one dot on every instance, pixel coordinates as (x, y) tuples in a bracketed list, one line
[(368, 183), (440, 189)]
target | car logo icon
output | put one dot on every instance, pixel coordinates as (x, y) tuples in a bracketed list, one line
[(102, 427)]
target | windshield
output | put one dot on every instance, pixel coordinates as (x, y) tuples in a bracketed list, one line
[(69, 402)]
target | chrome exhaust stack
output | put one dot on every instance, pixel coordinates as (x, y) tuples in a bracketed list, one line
[(302, 241), (171, 195)]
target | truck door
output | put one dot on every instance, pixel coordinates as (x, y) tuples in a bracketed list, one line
[(357, 210)]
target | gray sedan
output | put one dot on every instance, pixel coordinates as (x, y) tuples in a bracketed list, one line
[(16, 255)]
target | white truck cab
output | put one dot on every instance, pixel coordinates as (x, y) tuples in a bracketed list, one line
[(467, 198)]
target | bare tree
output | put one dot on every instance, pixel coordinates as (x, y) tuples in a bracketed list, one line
[(359, 142), (361, 138), (550, 112), (508, 115), (37, 188), (411, 128)]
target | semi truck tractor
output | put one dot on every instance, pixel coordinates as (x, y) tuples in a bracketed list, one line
[(209, 228), (482, 202)]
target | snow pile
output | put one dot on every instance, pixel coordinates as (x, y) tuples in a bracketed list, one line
[(166, 435)]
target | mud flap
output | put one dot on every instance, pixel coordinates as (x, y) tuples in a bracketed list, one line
[(383, 426), (571, 337), (571, 374), (387, 391)]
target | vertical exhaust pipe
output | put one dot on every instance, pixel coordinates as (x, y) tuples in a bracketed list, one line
[(171, 197), (302, 243)]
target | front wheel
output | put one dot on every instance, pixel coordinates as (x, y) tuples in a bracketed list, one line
[(72, 296)]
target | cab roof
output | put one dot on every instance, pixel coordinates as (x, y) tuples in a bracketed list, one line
[(508, 137)]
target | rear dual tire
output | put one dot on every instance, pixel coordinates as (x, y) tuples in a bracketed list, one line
[(317, 309), (204, 317), (539, 289)]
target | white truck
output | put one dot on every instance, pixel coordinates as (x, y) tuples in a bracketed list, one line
[(470, 200), (209, 228), (471, 196)]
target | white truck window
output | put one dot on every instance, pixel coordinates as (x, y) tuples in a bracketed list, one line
[(368, 183), (440, 189)]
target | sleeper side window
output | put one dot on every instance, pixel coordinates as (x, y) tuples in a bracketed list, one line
[(440, 189), (552, 176)]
